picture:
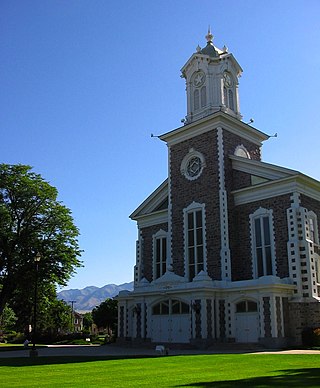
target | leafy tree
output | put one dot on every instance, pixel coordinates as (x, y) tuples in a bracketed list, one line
[(33, 221), (53, 315), (57, 317), (87, 321), (7, 319), (105, 315)]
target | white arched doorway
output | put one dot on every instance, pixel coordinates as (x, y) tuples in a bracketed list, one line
[(170, 322)]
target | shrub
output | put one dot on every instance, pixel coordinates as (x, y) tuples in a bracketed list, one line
[(15, 338), (311, 337)]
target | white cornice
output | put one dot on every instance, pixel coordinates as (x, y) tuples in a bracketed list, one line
[(270, 284), (298, 183), (155, 218), (222, 56), (262, 169), (209, 123)]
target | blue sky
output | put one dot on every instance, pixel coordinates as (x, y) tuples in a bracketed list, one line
[(83, 84)]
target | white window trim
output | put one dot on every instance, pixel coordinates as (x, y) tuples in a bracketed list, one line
[(312, 215), (159, 235), (242, 152), (226, 94), (191, 208), (261, 212)]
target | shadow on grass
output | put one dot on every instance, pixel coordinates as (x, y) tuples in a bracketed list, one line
[(51, 360), (307, 377)]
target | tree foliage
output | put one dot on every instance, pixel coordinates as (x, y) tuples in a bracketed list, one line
[(87, 321), (33, 221), (7, 319), (105, 315)]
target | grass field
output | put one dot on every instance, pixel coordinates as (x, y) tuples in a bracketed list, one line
[(174, 371)]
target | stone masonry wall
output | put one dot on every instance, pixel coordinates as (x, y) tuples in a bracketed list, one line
[(240, 240), (202, 190), (240, 180), (302, 316), (238, 223), (233, 178)]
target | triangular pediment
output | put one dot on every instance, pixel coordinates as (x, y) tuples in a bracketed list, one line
[(169, 278), (156, 202), (275, 181), (264, 171)]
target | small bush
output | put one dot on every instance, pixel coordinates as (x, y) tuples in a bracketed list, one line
[(311, 337), (15, 338), (316, 334)]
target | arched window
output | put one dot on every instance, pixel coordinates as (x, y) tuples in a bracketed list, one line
[(262, 240), (312, 231), (195, 251), (196, 99), (169, 307), (242, 151), (228, 90), (159, 253), (203, 96), (313, 237), (230, 98), (225, 96), (246, 306)]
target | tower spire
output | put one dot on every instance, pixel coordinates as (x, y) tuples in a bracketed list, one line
[(209, 35)]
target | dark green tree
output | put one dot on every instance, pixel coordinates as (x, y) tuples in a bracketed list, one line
[(105, 315), (87, 321), (53, 315), (56, 317), (7, 319), (33, 221)]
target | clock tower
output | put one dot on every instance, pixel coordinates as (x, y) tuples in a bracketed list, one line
[(211, 78)]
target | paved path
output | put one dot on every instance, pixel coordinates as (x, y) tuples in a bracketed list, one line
[(118, 351)]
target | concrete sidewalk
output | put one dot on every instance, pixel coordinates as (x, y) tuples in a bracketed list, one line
[(118, 351)]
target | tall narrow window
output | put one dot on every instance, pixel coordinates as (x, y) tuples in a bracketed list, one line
[(262, 242), (313, 227), (195, 246), (225, 96), (203, 96), (228, 90), (313, 236), (230, 97), (196, 99), (159, 254)]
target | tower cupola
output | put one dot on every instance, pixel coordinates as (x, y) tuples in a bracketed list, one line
[(211, 76)]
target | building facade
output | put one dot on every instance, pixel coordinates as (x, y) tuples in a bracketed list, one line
[(228, 245)]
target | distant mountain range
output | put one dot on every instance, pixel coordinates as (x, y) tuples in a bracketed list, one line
[(89, 297)]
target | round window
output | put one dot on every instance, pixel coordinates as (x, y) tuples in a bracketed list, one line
[(192, 164)]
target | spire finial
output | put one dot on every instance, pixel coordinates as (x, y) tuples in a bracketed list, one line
[(209, 35)]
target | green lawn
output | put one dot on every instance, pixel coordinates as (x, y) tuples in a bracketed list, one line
[(245, 370)]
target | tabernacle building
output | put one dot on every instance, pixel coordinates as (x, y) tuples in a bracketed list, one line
[(228, 245)]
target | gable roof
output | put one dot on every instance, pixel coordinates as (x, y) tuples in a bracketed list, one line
[(154, 203), (259, 168), (281, 181)]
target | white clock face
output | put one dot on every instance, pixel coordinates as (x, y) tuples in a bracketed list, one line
[(199, 79), (227, 79)]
